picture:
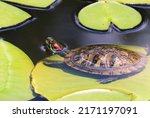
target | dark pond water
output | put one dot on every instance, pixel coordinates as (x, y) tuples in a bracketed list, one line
[(60, 24)]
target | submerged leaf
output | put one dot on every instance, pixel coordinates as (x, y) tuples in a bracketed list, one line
[(15, 69), (11, 16), (56, 84), (33, 3), (100, 15)]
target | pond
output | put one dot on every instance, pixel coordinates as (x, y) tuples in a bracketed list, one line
[(59, 23)]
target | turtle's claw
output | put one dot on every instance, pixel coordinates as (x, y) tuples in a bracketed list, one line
[(107, 80)]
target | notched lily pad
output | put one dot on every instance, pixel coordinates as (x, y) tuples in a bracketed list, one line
[(11, 16), (105, 15), (41, 4), (56, 84), (15, 69)]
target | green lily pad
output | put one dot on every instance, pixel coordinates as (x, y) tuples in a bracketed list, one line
[(56, 84), (97, 95), (133, 1), (33, 3), (15, 69), (100, 15), (11, 16)]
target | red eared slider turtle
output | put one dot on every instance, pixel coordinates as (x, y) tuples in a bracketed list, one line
[(110, 61)]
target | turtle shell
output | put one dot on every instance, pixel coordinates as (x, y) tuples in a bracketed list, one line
[(105, 60)]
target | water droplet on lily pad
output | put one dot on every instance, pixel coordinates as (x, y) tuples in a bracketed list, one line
[(54, 83), (15, 69), (100, 16)]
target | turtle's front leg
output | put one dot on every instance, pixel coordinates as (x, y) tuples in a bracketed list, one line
[(52, 63)]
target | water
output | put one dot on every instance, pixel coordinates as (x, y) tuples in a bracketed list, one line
[(60, 24)]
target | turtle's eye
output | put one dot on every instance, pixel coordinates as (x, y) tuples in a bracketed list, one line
[(48, 46)]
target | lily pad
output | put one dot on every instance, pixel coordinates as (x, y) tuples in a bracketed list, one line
[(33, 3), (143, 2), (11, 16), (100, 16), (56, 84), (15, 69), (96, 95)]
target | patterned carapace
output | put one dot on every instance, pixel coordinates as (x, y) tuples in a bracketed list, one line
[(105, 60)]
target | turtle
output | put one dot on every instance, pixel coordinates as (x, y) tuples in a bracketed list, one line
[(109, 62)]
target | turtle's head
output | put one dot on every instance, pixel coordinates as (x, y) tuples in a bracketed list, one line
[(53, 46)]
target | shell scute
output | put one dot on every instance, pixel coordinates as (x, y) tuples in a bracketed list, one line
[(105, 60)]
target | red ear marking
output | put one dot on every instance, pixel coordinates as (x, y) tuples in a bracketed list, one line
[(57, 46)]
